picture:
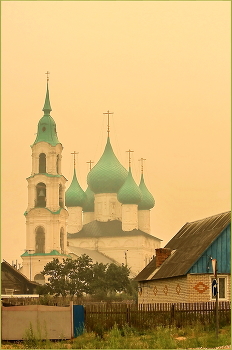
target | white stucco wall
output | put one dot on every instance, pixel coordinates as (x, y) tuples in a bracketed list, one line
[(136, 250), (129, 217), (74, 219), (107, 207), (144, 220)]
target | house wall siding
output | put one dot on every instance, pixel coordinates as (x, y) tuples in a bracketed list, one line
[(192, 288), (220, 250), (172, 290)]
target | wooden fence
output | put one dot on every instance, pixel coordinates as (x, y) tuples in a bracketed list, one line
[(104, 316)]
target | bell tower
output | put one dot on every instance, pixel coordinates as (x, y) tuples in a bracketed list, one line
[(46, 216)]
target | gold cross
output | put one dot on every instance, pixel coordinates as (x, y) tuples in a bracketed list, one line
[(129, 157), (47, 75), (74, 153), (142, 159), (108, 126), (90, 162)]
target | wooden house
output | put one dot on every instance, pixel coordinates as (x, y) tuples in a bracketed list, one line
[(13, 282), (182, 270)]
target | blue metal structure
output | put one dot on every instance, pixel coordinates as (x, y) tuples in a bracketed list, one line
[(220, 249), (78, 320)]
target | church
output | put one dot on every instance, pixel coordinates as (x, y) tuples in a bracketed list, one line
[(110, 221)]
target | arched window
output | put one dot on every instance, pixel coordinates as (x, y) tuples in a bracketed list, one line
[(40, 240), (42, 163), (61, 202), (39, 278), (57, 164), (40, 195), (62, 240)]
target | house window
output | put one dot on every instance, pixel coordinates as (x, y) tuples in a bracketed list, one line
[(222, 287)]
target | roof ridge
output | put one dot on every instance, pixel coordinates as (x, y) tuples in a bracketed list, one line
[(208, 217)]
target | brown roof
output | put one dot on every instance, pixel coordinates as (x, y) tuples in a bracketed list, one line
[(187, 247)]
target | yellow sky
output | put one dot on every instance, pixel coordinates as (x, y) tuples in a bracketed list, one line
[(163, 68)]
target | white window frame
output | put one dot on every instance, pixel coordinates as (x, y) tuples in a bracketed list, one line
[(226, 287)]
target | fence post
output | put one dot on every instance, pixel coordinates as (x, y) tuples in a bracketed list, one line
[(128, 315), (172, 314)]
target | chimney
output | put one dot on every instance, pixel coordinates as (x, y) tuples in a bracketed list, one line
[(161, 255)]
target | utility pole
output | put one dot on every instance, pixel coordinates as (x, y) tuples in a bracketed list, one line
[(126, 256)]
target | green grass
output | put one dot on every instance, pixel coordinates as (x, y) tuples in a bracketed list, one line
[(130, 338)]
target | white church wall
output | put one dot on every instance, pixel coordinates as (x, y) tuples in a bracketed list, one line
[(74, 219), (144, 220), (107, 207), (52, 225), (129, 217), (51, 157), (87, 217), (136, 251)]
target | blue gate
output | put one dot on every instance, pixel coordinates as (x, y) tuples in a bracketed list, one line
[(78, 320)]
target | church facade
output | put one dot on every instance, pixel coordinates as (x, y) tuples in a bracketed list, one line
[(110, 221)]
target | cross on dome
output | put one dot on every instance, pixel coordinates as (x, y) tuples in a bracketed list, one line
[(47, 75), (108, 125), (90, 164), (74, 154), (130, 151), (141, 160)]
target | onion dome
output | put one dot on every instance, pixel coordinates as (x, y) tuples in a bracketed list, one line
[(47, 127), (108, 175), (74, 196), (147, 201), (129, 193), (88, 205)]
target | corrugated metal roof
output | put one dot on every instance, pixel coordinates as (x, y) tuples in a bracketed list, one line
[(112, 228), (188, 245)]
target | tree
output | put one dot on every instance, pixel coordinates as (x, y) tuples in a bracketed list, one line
[(78, 276), (70, 277)]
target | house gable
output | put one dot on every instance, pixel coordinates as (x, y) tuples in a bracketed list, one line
[(220, 250)]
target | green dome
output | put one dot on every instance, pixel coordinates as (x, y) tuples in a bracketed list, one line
[(88, 205), (129, 193), (47, 126), (74, 196), (108, 175), (147, 201)]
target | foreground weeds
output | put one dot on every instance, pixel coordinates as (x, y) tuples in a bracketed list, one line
[(129, 338)]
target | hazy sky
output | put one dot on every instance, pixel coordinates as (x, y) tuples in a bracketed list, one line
[(163, 68)]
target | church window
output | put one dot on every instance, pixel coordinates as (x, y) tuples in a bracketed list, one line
[(43, 128), (42, 163), (39, 278), (58, 164), (40, 195), (40, 240), (61, 202), (62, 240)]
